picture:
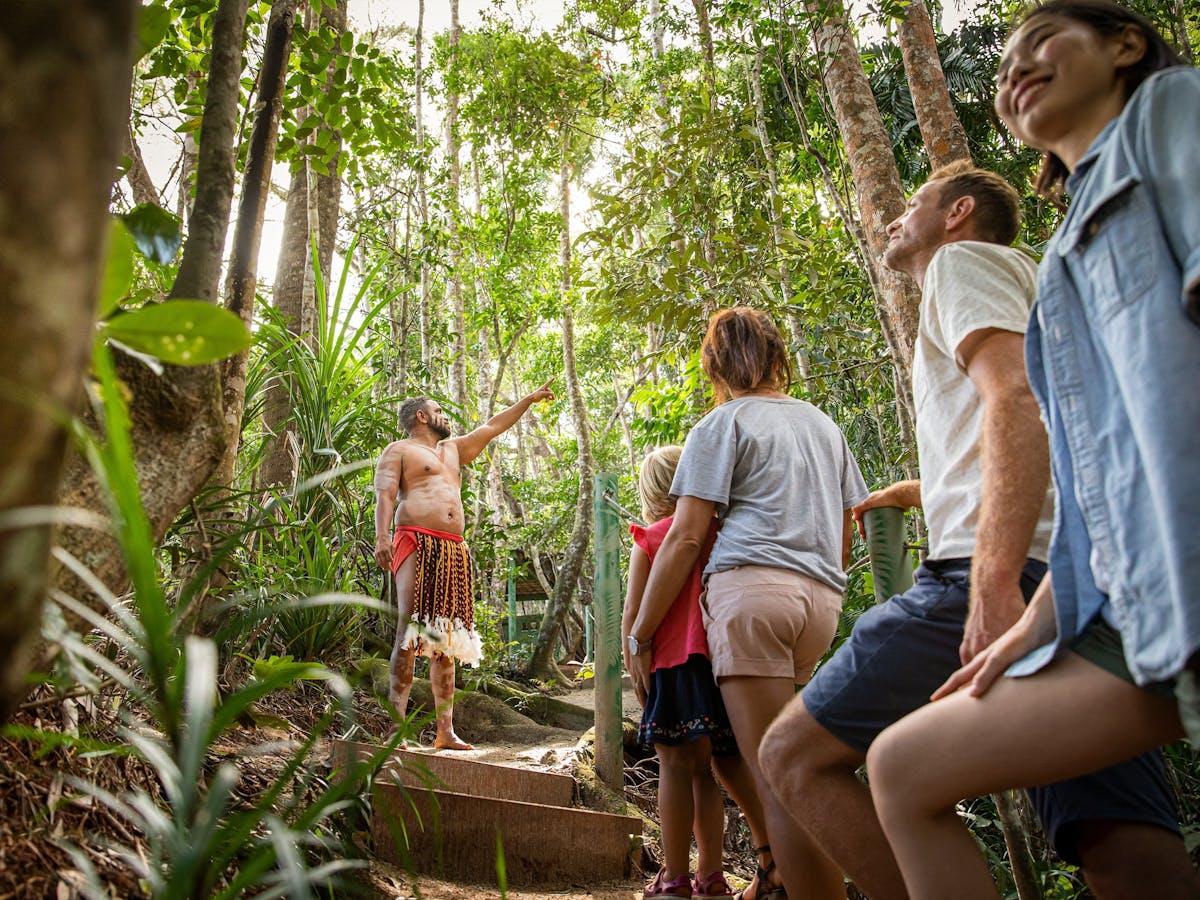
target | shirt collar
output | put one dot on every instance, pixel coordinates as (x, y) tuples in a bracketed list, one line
[(1089, 157)]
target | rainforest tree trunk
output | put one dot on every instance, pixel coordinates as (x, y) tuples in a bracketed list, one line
[(541, 663), (458, 351), (877, 185), (944, 136), (242, 281)]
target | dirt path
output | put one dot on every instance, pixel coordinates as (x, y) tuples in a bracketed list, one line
[(397, 885)]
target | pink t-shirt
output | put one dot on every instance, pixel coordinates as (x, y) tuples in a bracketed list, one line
[(681, 632)]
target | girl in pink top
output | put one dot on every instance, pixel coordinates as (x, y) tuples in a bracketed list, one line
[(683, 715)]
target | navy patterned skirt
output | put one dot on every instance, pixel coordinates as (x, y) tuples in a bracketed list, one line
[(684, 705)]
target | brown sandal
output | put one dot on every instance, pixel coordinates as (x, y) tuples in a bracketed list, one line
[(761, 891)]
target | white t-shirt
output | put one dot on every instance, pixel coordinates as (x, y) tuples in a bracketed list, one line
[(781, 475), (969, 286)]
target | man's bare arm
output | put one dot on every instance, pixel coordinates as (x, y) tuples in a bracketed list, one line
[(902, 495), (471, 445), (387, 488), (1016, 472)]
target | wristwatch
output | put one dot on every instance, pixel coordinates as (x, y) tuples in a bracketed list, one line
[(636, 646)]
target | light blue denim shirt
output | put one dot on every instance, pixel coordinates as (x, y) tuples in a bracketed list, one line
[(1113, 352)]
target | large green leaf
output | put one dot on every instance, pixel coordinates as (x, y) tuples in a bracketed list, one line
[(154, 23), (118, 269), (183, 332), (158, 233)]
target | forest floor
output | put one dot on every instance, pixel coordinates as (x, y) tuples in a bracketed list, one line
[(41, 812)]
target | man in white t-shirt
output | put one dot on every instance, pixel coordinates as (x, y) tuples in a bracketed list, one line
[(988, 507)]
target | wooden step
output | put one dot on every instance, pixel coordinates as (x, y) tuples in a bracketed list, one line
[(459, 836), (461, 775), (450, 816)]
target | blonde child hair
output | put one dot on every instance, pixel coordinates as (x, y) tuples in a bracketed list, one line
[(654, 483)]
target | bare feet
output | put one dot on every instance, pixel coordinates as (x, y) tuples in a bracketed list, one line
[(451, 741)]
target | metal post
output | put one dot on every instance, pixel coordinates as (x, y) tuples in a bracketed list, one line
[(606, 542)]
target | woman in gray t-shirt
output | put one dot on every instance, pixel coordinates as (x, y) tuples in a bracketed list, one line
[(779, 474)]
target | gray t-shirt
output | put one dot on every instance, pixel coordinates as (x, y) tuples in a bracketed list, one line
[(781, 475)]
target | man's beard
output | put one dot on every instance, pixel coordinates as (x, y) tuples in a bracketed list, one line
[(442, 430)]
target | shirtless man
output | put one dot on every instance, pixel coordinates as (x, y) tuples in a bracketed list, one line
[(426, 554)]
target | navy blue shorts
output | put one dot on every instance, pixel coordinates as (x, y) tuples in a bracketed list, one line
[(901, 651), (898, 654), (1134, 791)]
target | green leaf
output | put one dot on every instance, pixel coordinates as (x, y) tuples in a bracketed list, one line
[(118, 269), (154, 23), (183, 332), (157, 232)]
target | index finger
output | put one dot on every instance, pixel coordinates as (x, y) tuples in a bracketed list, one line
[(958, 679), (856, 515), (546, 386)]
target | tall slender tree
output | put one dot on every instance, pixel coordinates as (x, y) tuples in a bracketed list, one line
[(541, 663), (876, 180), (945, 138), (242, 282), (454, 287)]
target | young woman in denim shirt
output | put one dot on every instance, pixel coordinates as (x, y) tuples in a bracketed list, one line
[(1100, 660)]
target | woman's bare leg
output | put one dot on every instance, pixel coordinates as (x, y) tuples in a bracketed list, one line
[(752, 704), (1070, 719)]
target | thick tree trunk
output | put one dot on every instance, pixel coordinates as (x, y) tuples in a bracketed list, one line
[(945, 138), (63, 106), (247, 236), (178, 430), (876, 180), (541, 663)]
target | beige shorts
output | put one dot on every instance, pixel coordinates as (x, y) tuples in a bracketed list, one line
[(768, 622)]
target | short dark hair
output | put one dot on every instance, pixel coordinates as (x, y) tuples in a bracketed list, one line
[(1106, 18), (997, 215), (744, 350), (408, 412)]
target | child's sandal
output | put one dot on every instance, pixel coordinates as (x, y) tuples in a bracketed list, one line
[(714, 885), (676, 887)]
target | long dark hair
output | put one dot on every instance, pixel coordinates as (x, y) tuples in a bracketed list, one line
[(1107, 19)]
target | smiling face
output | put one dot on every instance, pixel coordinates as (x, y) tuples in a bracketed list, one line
[(1059, 82), (914, 237)]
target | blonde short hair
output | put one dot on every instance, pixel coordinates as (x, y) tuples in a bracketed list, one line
[(654, 483)]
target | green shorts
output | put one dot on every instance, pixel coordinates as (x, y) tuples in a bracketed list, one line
[(1100, 644)]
